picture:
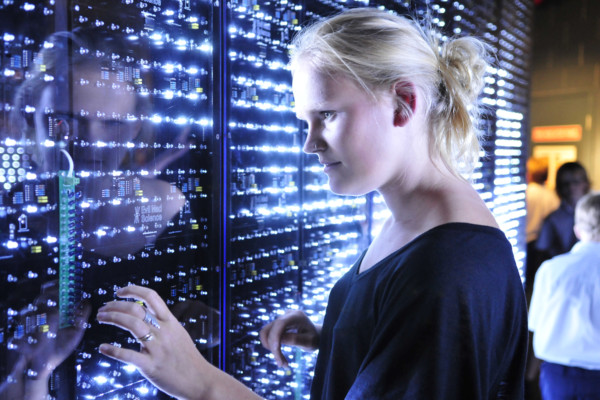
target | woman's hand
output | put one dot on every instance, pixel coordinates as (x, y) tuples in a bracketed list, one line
[(293, 328), (168, 357)]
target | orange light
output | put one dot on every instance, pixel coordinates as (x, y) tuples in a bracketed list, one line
[(556, 133)]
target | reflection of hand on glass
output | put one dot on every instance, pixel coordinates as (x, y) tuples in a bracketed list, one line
[(42, 346)]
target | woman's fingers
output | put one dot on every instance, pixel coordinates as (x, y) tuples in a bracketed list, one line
[(302, 340), (126, 307), (168, 356), (153, 301), (293, 328), (113, 315), (280, 358), (125, 355), (270, 337)]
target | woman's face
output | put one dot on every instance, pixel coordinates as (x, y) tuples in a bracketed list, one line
[(97, 119), (352, 134)]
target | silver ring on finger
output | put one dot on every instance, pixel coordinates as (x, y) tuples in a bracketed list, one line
[(146, 338), (150, 319)]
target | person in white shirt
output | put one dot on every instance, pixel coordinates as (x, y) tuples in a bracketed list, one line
[(564, 313)]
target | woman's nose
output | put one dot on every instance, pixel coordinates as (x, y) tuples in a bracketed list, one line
[(314, 142), (309, 146)]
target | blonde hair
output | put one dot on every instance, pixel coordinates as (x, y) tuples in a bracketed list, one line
[(587, 215), (376, 49)]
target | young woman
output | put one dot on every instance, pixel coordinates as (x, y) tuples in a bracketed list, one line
[(434, 308)]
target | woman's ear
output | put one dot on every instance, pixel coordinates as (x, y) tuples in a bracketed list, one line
[(406, 102)]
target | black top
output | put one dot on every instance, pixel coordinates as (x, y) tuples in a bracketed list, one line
[(444, 317)]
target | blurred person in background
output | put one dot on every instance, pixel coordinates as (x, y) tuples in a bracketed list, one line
[(557, 235), (565, 315)]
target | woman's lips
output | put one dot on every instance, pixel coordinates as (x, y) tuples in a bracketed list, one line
[(330, 166)]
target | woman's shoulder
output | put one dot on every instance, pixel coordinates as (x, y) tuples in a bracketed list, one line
[(451, 243), (461, 236), (459, 252)]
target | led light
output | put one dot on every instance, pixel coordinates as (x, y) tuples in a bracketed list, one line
[(101, 380), (206, 47), (143, 390), (500, 113), (129, 368)]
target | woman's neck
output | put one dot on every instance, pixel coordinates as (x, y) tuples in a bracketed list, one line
[(437, 199)]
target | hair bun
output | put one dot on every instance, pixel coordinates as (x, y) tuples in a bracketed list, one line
[(463, 65)]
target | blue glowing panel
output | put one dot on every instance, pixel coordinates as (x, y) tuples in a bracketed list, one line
[(107, 143), (264, 197)]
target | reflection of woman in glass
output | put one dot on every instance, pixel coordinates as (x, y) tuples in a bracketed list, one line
[(77, 99), (96, 114)]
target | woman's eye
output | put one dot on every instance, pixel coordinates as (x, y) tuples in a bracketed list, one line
[(327, 114)]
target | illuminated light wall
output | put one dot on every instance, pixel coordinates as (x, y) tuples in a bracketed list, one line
[(127, 90), (188, 174)]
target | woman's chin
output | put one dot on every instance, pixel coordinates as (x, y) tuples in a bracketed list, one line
[(342, 189)]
